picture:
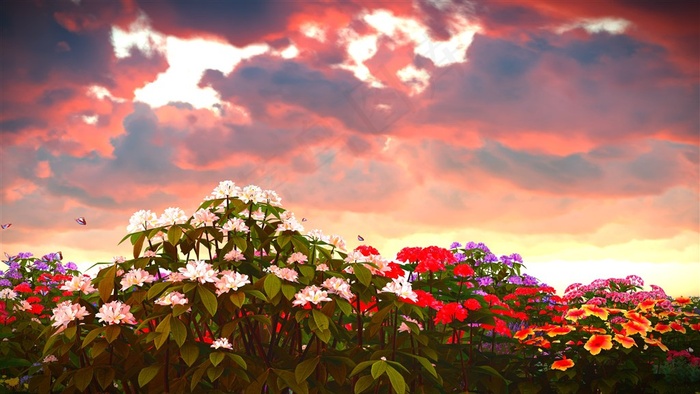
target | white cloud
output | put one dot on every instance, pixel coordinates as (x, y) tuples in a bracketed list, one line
[(597, 25)]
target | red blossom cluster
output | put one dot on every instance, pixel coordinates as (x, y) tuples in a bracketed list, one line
[(428, 259)]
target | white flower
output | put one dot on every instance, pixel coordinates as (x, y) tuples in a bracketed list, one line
[(221, 343), (172, 215), (226, 189), (118, 259), (234, 255), (297, 257), (142, 220), (317, 235), (310, 294), (272, 198), (401, 287), (338, 286), (65, 313), (252, 193), (337, 241), (290, 224), (23, 305), (199, 270), (7, 294), (230, 280), (283, 273), (173, 298), (235, 224), (404, 327), (136, 277), (204, 217)]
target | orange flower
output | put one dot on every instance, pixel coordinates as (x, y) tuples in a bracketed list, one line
[(593, 330), (562, 330), (662, 328), (575, 314), (682, 300), (655, 342), (625, 341), (563, 364), (539, 342), (677, 326), (634, 316), (695, 326), (598, 342), (524, 333), (632, 327), (646, 304), (595, 310)]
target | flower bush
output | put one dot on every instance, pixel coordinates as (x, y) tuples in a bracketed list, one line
[(237, 298)]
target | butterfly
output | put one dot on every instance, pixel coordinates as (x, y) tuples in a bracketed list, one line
[(359, 238), (81, 221), (304, 219), (60, 255), (6, 226)]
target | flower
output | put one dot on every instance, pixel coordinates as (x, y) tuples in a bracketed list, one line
[(338, 286), (199, 270), (115, 312), (287, 274), (449, 312), (594, 310), (234, 255), (402, 288), (221, 343), (297, 257), (173, 298), (204, 217), (136, 277), (226, 189), (79, 283), (563, 364), (172, 216), (142, 220), (310, 294), (463, 270), (235, 224), (8, 294), (65, 313), (598, 342), (625, 341), (230, 280), (559, 330)]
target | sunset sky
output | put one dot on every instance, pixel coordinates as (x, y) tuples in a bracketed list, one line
[(565, 131)]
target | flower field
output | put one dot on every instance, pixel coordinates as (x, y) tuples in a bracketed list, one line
[(240, 298)]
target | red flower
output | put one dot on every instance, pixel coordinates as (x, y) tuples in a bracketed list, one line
[(472, 304), (23, 288), (37, 309), (449, 312), (33, 300), (394, 272), (41, 289), (367, 250), (409, 254), (463, 270), (563, 364)]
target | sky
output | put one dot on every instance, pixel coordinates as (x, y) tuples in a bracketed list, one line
[(565, 131)]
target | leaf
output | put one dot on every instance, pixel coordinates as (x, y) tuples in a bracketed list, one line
[(106, 286), (397, 381), (104, 376), (208, 298), (363, 384), (283, 240), (361, 366), (164, 329), (344, 307), (82, 378), (157, 289), (178, 331), (320, 319), (147, 374), (324, 335), (174, 234), (238, 360), (238, 298), (425, 363), (189, 353), (70, 332), (288, 291), (272, 285), (216, 358), (213, 373), (91, 336), (257, 294), (240, 243), (378, 368), (307, 271), (290, 380), (363, 274), (304, 369), (13, 362), (138, 246)]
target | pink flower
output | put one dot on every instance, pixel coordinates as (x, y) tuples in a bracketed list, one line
[(234, 255), (338, 286), (204, 217), (310, 294), (284, 273), (402, 288), (79, 283), (65, 313), (136, 277), (199, 271), (230, 280), (174, 298), (297, 257), (115, 312)]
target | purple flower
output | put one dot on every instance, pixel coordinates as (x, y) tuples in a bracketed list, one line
[(506, 260), (13, 274), (490, 258), (470, 245), (71, 266), (455, 245), (484, 281), (60, 269), (40, 265), (14, 265), (483, 247), (5, 282), (515, 279), (530, 280), (460, 257), (24, 255), (516, 258)]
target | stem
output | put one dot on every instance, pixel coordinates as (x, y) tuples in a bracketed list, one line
[(359, 323), (396, 331)]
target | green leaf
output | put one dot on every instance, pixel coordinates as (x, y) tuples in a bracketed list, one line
[(178, 331), (214, 372), (138, 246), (397, 381), (147, 374), (238, 298), (208, 298), (82, 378), (283, 240), (257, 294), (238, 360), (320, 319), (288, 291), (290, 380), (189, 353), (106, 286), (344, 307), (272, 285), (378, 368), (240, 243), (362, 273), (360, 367), (157, 289), (91, 336), (363, 383), (324, 335), (164, 329), (14, 362), (104, 376), (307, 271), (425, 363), (70, 332), (304, 369), (216, 358), (174, 234)]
